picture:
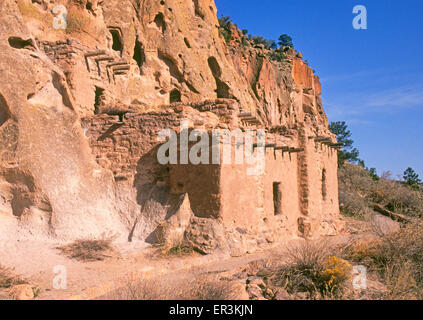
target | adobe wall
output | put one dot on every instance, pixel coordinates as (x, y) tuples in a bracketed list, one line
[(121, 147), (128, 150), (201, 183), (66, 93), (307, 208), (247, 200), (225, 192), (323, 186)]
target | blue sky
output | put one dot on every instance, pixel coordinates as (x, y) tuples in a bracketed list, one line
[(372, 79)]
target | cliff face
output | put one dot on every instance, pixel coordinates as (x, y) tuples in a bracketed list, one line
[(116, 57)]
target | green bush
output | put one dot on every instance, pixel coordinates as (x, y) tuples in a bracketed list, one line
[(225, 24), (277, 55)]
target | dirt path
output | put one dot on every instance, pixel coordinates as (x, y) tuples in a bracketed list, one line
[(36, 261)]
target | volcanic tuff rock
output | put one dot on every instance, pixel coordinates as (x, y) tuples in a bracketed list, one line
[(77, 106)]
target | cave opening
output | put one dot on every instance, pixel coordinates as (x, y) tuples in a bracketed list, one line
[(19, 43), (222, 89), (160, 22), (187, 43), (4, 111), (117, 40), (139, 54), (175, 96)]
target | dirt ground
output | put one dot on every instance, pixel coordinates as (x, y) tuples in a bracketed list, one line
[(35, 261)]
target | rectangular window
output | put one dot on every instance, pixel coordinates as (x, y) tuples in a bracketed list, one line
[(324, 187), (277, 197)]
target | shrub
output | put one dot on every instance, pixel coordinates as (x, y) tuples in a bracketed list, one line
[(227, 35), (89, 250), (335, 272), (311, 268), (212, 290), (353, 205), (8, 279), (398, 198), (225, 24), (169, 289), (358, 191), (278, 55), (373, 174), (179, 250), (355, 189), (397, 258), (268, 44), (244, 42)]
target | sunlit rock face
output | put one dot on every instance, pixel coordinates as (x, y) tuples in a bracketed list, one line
[(88, 85)]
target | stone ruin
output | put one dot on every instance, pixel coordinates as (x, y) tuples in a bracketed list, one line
[(81, 109)]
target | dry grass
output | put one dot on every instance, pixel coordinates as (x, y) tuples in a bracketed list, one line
[(311, 268), (8, 279), (177, 251), (213, 290), (358, 191), (394, 265), (145, 289), (201, 288), (89, 250), (398, 197), (397, 258), (308, 270)]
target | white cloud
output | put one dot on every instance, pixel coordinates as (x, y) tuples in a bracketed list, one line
[(370, 101)]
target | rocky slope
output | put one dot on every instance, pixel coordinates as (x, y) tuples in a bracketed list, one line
[(115, 57)]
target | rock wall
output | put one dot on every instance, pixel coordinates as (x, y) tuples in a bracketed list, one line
[(80, 110)]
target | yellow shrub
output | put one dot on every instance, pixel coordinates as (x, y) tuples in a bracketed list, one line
[(335, 272)]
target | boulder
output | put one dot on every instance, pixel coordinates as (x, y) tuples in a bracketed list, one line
[(173, 229), (205, 235), (21, 292), (239, 291)]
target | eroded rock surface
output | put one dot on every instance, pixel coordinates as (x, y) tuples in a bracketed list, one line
[(81, 108)]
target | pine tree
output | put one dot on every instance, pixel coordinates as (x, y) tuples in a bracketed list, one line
[(285, 41), (343, 135), (412, 179)]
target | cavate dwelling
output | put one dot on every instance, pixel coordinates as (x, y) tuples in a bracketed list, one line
[(80, 129)]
